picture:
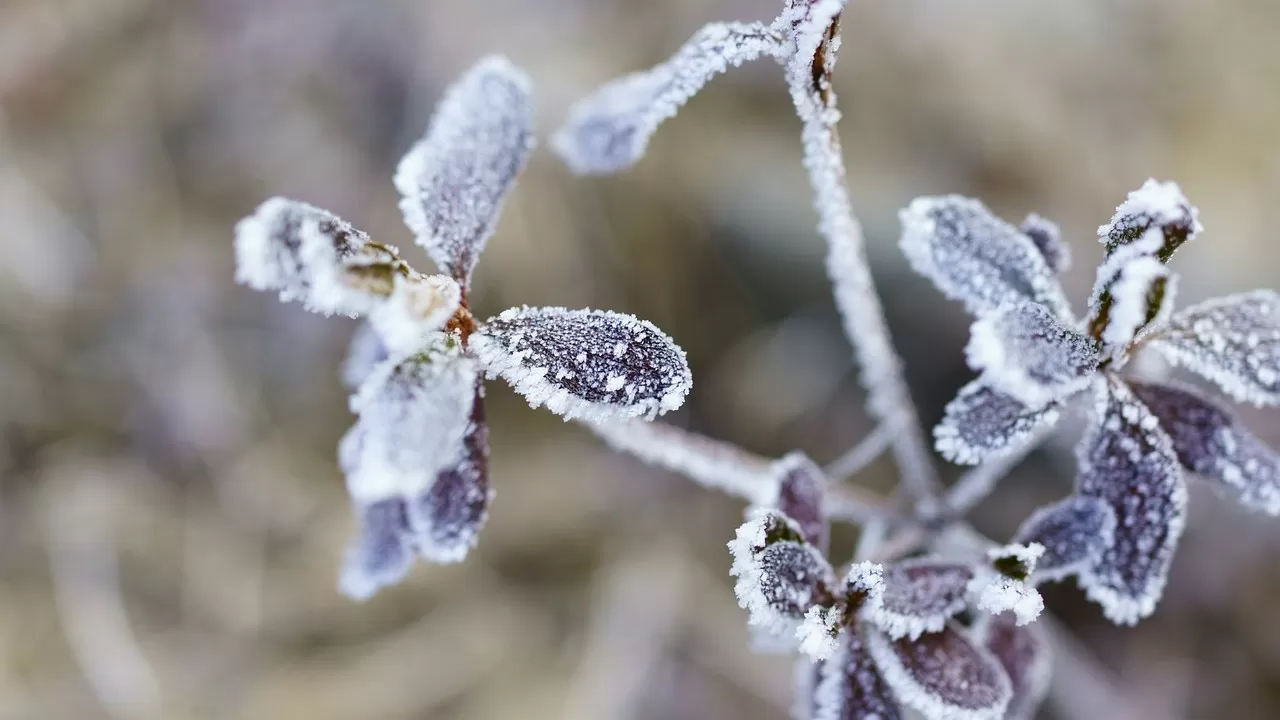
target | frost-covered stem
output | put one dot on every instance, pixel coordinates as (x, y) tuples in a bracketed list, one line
[(858, 457), (809, 77), (978, 483)]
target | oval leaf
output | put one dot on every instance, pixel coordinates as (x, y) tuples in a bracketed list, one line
[(800, 491), (943, 675), (850, 686), (1048, 240), (780, 576), (1156, 219), (454, 180), (1133, 293), (1074, 532), (1024, 653), (585, 363), (982, 423), (919, 596), (382, 551), (1232, 341), (1026, 353)]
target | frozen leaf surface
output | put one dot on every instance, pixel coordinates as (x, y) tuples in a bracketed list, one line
[(982, 422), (313, 257), (1074, 533), (414, 415), (415, 312), (609, 130), (1157, 217), (1210, 441), (1048, 239), (779, 574), (920, 595), (1133, 293), (1126, 460), (1024, 653), (850, 686), (800, 490), (1004, 586), (364, 354), (591, 364), (1233, 341), (1025, 352), (381, 554), (943, 675), (453, 181), (977, 258)]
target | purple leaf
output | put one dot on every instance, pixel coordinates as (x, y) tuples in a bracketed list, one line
[(1211, 441), (977, 258), (943, 675), (1024, 653), (585, 363), (1233, 341), (1074, 532), (919, 596), (454, 180), (381, 553), (982, 423), (1025, 352), (1126, 460), (850, 686), (1156, 219), (800, 491), (1048, 239), (780, 576)]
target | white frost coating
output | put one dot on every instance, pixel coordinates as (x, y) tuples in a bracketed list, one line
[(566, 360), (818, 631), (716, 465), (982, 423), (919, 596), (416, 311), (1126, 460), (1024, 352), (943, 675), (854, 291), (609, 130), (975, 257), (381, 554), (304, 252), (778, 574), (997, 592), (363, 355), (414, 414), (1155, 204), (1131, 286), (1048, 239), (453, 181), (1234, 341)]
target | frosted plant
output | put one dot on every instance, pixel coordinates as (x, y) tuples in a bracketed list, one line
[(416, 460), (1118, 534)]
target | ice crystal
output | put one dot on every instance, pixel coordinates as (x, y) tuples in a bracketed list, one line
[(591, 364), (982, 422), (919, 596), (609, 130), (1126, 460), (850, 686), (1024, 653), (454, 180), (943, 675), (1048, 239), (1233, 341), (1211, 442), (1025, 352), (977, 258), (1074, 533), (818, 632)]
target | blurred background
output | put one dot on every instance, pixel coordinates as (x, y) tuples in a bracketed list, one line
[(171, 514)]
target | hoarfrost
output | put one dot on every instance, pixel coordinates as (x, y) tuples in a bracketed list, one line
[(565, 359), (1210, 441), (982, 423), (977, 258), (1074, 532), (919, 596), (381, 553), (850, 686), (1048, 239), (943, 675), (779, 575), (1233, 341), (416, 311), (800, 490), (1154, 206), (1132, 294), (610, 130), (364, 354), (1023, 351), (1126, 460), (1024, 653), (818, 632), (1003, 586), (453, 181)]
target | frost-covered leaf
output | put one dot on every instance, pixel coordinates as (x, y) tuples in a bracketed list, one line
[(1025, 352), (414, 416), (977, 258), (1233, 341), (1004, 586), (780, 576), (850, 686), (819, 630), (1126, 460), (415, 312), (453, 181), (592, 364), (313, 257), (364, 354), (1048, 239), (447, 518), (982, 423), (919, 596), (1156, 219), (1212, 442), (800, 491), (943, 675), (1074, 532), (1133, 293), (609, 130), (382, 551), (1025, 654)]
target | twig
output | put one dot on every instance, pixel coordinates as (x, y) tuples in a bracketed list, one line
[(858, 457), (976, 484), (809, 77)]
